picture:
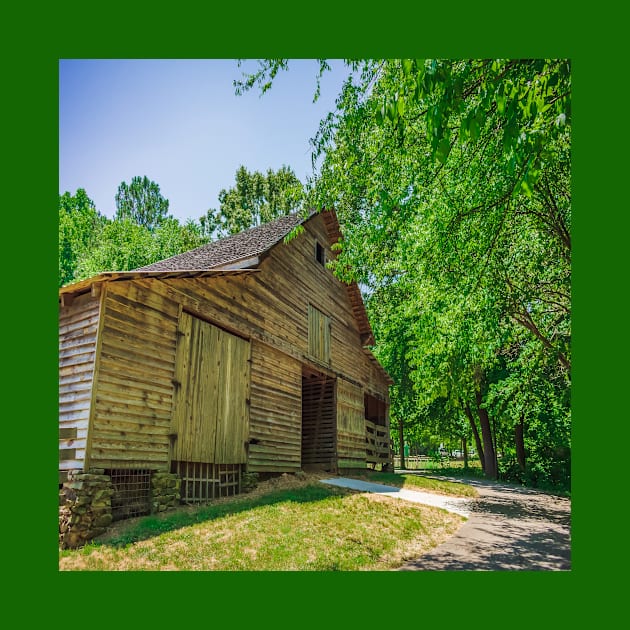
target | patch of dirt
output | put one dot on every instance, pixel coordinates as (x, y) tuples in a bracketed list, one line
[(284, 482)]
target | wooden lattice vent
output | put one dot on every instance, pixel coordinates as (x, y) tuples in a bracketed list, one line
[(202, 482)]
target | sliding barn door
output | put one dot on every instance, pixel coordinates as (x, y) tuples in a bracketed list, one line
[(211, 408)]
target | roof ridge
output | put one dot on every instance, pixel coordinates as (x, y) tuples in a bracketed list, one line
[(246, 244)]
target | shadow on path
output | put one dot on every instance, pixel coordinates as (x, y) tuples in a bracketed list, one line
[(509, 528)]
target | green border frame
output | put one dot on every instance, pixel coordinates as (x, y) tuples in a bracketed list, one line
[(333, 30)]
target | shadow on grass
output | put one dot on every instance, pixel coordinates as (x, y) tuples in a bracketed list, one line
[(436, 483), (151, 526), (461, 473)]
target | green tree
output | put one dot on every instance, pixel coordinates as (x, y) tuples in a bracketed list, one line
[(141, 202), (392, 351), (124, 245), (172, 238), (451, 179), (141, 233), (254, 199), (79, 225)]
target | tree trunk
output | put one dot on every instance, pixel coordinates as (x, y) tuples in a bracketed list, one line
[(473, 426), (490, 469), (519, 430), (401, 440)]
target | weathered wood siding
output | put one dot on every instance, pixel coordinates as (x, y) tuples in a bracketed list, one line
[(323, 291), (271, 306), (275, 411), (318, 335), (131, 418), (134, 384), (78, 326), (350, 425), (210, 410)]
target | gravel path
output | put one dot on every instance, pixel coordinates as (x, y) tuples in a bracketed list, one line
[(509, 529)]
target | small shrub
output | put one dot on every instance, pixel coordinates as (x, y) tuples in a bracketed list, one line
[(550, 474), (249, 481)]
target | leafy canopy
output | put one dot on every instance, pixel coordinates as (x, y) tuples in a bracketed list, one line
[(451, 179)]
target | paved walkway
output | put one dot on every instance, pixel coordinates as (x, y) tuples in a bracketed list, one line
[(509, 528), (452, 504)]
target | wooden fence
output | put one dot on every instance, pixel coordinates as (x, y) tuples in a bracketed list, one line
[(378, 445)]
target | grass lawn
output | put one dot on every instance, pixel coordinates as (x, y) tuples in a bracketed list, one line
[(419, 482), (438, 466), (295, 526)]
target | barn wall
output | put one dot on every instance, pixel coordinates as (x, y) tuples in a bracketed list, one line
[(78, 326), (350, 426), (321, 289), (134, 384), (271, 306), (275, 411), (134, 381)]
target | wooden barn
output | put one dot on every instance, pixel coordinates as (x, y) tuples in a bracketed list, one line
[(244, 355)]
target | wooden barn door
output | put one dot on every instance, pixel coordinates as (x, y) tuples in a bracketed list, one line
[(211, 407)]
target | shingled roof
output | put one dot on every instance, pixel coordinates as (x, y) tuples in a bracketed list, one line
[(242, 246)]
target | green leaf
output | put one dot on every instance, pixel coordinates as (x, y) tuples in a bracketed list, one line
[(391, 112), (443, 149), (380, 111), (511, 165), (526, 188), (400, 105), (418, 91), (474, 129), (464, 128)]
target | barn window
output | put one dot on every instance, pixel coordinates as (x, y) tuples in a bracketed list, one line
[(320, 254), (318, 335)]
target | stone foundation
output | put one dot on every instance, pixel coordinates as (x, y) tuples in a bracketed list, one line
[(85, 509), (164, 491)]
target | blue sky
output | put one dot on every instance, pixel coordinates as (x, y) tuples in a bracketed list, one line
[(180, 123)]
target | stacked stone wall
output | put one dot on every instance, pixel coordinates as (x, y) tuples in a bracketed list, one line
[(165, 491), (85, 503), (85, 509)]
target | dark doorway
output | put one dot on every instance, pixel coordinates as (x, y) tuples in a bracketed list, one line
[(319, 422)]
